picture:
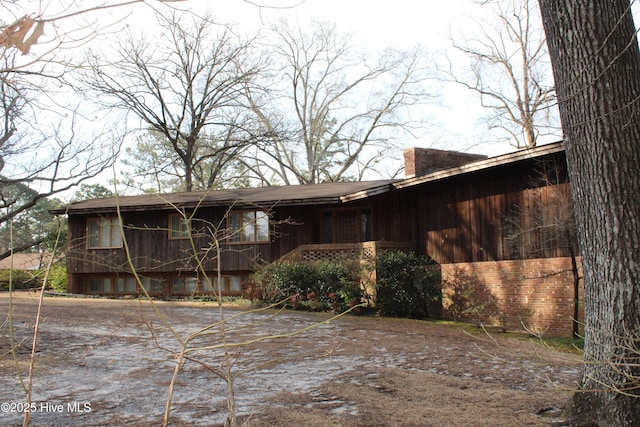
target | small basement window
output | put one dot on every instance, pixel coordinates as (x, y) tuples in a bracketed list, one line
[(101, 285), (152, 285), (184, 285), (126, 285), (230, 284)]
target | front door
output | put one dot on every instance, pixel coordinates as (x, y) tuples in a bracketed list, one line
[(346, 226)]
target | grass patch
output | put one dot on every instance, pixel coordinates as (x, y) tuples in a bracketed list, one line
[(571, 345)]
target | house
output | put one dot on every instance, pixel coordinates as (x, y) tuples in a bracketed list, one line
[(25, 269), (27, 261), (457, 208)]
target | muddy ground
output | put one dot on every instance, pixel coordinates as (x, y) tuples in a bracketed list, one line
[(110, 362)]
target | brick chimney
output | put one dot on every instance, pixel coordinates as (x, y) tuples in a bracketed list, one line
[(421, 161)]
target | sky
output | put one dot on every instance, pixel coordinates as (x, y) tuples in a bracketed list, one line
[(456, 116), (402, 24)]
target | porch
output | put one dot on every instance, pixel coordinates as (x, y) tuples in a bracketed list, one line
[(342, 251), (364, 252)]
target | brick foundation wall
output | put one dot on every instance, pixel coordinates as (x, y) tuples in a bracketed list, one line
[(534, 294)]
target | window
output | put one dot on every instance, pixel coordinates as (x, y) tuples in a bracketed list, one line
[(152, 285), (206, 283), (178, 227), (126, 285), (231, 284), (346, 226), (113, 285), (101, 285), (248, 226), (327, 227), (185, 285), (104, 233), (365, 225)]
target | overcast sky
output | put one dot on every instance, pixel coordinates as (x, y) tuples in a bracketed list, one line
[(400, 24), (456, 115)]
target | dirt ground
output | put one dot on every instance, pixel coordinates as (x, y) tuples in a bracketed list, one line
[(109, 362)]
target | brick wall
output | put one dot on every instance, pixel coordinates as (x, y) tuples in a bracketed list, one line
[(533, 294), (420, 161)]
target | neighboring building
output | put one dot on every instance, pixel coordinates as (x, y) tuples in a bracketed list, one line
[(454, 208), (24, 268), (27, 261)]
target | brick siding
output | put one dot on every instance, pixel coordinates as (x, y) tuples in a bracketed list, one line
[(534, 294), (421, 161)]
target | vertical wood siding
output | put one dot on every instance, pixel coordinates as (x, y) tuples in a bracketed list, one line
[(459, 219)]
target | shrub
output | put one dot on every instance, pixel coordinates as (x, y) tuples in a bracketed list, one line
[(58, 277), (20, 279), (319, 286), (407, 285)]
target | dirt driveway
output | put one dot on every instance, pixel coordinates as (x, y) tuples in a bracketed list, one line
[(108, 362)]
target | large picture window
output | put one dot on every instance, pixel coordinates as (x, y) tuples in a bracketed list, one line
[(248, 226), (104, 233)]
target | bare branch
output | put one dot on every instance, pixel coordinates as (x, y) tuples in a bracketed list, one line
[(510, 73)]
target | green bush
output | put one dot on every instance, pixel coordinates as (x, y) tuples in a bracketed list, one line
[(319, 286), (20, 279), (33, 279), (407, 285), (58, 277)]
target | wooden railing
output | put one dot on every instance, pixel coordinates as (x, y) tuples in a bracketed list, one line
[(341, 251)]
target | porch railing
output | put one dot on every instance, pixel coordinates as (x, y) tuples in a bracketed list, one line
[(341, 251)]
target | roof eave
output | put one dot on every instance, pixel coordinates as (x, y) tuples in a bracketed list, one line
[(239, 204), (491, 162), (369, 192)]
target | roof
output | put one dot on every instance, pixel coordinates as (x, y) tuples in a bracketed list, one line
[(309, 194), (505, 159), (24, 261)]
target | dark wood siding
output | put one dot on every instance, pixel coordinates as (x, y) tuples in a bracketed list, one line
[(462, 218), (468, 218), (152, 251)]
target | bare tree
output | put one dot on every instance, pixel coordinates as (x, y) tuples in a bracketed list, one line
[(48, 142), (45, 148), (53, 27), (596, 63), (332, 114), (156, 169), (186, 87), (510, 72)]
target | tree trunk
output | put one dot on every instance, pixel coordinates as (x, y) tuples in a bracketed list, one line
[(575, 322), (596, 63)]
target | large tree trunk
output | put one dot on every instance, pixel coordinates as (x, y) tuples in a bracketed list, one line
[(596, 63)]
